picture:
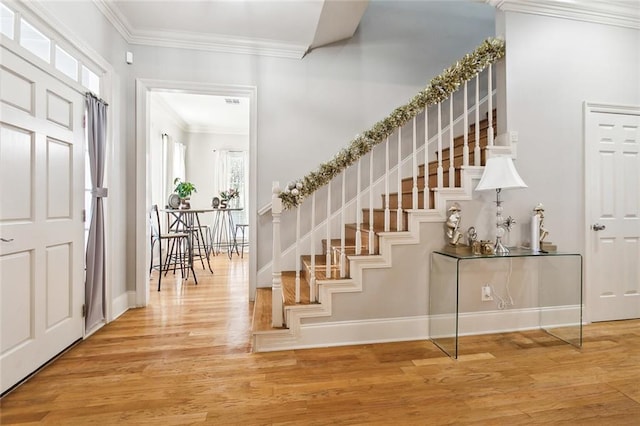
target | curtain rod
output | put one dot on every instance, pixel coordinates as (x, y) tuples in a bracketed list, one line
[(97, 98)]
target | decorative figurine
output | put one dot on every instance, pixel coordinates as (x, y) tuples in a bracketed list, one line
[(538, 228), (453, 225), (486, 247), (472, 240), (539, 212), (472, 235)]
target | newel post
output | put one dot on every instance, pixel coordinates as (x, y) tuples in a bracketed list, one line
[(277, 301)]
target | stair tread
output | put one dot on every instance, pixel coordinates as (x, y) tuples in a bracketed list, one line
[(262, 311)]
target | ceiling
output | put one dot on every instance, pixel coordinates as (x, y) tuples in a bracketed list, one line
[(208, 114), (284, 28)]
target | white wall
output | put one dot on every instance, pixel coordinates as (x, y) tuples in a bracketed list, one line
[(307, 109), (201, 162), (552, 67), (163, 120)]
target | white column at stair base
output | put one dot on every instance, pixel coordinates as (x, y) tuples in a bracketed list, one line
[(277, 300)]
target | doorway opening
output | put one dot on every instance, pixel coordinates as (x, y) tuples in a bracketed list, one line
[(170, 142)]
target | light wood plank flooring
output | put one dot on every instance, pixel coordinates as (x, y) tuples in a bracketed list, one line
[(186, 359)]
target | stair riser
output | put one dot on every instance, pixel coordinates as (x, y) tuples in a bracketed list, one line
[(407, 183), (321, 269), (336, 242), (378, 219), (364, 234), (459, 149), (457, 162), (458, 141), (407, 200)]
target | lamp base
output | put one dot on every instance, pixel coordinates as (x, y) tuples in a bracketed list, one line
[(499, 248)]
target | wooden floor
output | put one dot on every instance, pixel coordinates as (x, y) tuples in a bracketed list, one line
[(186, 359)]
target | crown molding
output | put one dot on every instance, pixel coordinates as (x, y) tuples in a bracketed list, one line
[(118, 20), (197, 41), (218, 43), (621, 13)]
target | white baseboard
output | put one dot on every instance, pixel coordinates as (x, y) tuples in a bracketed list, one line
[(503, 321), (122, 303), (343, 333)]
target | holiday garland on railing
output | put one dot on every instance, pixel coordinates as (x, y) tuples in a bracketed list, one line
[(439, 89)]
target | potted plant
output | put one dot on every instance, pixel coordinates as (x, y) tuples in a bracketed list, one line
[(184, 191)]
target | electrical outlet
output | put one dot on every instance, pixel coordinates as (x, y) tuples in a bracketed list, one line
[(486, 293)]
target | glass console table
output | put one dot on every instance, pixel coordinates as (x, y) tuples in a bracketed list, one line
[(529, 290)]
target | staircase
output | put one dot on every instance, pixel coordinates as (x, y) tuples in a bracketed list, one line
[(262, 327), (298, 310)]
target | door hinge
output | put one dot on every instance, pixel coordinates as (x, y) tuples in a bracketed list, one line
[(84, 311), (84, 215)]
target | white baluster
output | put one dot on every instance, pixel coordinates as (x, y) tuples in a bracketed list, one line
[(277, 296), (358, 211), (476, 150), (440, 171), (298, 254), (426, 158), (490, 99), (414, 167), (452, 169), (328, 245), (465, 148), (312, 280), (371, 232), (387, 210), (399, 168), (343, 253)]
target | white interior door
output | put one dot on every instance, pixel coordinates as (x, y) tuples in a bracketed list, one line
[(613, 213), (41, 193)]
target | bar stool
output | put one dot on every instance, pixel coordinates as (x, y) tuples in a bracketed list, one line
[(176, 251), (242, 227)]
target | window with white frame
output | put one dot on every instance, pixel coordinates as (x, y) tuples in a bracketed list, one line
[(7, 18), (232, 173), (35, 39), (179, 160)]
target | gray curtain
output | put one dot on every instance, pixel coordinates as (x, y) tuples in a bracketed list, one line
[(95, 257)]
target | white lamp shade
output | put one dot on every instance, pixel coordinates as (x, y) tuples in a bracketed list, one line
[(500, 173)]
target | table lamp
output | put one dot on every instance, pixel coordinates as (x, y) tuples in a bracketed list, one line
[(500, 173)]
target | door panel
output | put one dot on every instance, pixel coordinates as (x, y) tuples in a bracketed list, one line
[(16, 167), (16, 90), (42, 260), (59, 184), (17, 286), (59, 284), (613, 142)]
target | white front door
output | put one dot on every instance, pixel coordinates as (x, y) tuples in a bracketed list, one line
[(613, 212), (41, 204)]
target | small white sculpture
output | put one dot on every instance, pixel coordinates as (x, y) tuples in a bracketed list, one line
[(539, 212), (453, 225)]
